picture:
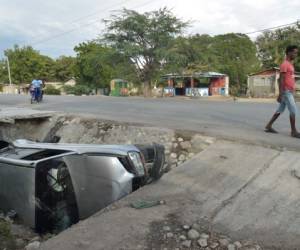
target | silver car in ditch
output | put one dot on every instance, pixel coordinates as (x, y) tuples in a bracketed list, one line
[(52, 185)]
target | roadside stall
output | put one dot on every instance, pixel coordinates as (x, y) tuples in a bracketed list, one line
[(119, 87), (196, 84)]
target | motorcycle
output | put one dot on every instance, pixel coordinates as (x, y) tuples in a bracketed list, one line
[(36, 94)]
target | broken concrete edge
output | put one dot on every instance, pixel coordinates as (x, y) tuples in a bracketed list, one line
[(181, 132), (7, 120), (83, 129), (93, 117), (32, 117), (229, 138), (10, 115), (82, 118)]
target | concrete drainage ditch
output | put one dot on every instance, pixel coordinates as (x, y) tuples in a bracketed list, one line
[(180, 146)]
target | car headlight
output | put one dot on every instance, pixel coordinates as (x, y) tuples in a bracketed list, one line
[(136, 159)]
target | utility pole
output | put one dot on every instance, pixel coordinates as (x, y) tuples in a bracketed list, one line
[(8, 69)]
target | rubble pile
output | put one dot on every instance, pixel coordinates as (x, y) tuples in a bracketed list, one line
[(15, 236), (179, 146), (170, 235), (180, 149)]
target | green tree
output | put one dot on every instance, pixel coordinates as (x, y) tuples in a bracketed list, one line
[(3, 71), (145, 39), (91, 69), (236, 56), (272, 44), (196, 51), (232, 54), (97, 64), (64, 68), (27, 64)]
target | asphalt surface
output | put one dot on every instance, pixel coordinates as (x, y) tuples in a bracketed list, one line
[(228, 119)]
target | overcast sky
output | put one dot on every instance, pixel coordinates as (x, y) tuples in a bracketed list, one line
[(55, 27)]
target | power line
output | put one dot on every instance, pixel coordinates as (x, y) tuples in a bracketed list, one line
[(96, 12), (83, 25), (63, 33), (272, 28), (75, 21)]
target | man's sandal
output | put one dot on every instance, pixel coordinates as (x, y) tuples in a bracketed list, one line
[(296, 135), (271, 130)]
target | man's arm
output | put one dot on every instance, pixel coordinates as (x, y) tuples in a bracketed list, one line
[(281, 83)]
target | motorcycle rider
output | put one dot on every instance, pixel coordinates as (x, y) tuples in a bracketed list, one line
[(36, 88)]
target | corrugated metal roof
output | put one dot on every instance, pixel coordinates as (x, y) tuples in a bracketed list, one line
[(270, 69), (196, 74)]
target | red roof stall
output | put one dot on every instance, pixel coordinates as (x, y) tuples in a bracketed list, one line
[(198, 84)]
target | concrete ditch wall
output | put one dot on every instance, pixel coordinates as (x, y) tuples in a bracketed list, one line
[(179, 146)]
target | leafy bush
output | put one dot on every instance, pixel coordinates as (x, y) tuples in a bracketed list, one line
[(7, 240), (51, 90), (77, 90)]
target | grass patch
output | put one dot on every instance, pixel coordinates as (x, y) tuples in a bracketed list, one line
[(7, 240)]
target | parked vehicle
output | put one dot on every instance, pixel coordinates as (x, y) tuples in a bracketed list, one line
[(52, 186)]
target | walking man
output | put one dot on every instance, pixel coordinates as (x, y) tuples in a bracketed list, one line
[(287, 87)]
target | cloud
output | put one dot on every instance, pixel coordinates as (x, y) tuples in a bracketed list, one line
[(55, 27)]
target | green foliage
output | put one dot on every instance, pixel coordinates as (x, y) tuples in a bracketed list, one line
[(7, 240), (272, 44), (232, 54), (235, 56), (3, 72), (27, 64), (4, 228), (51, 90), (97, 64), (77, 90), (196, 52), (145, 39), (64, 68)]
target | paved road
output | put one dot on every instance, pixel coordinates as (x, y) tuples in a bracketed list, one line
[(227, 119)]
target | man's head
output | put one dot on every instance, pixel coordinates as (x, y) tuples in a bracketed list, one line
[(291, 52)]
